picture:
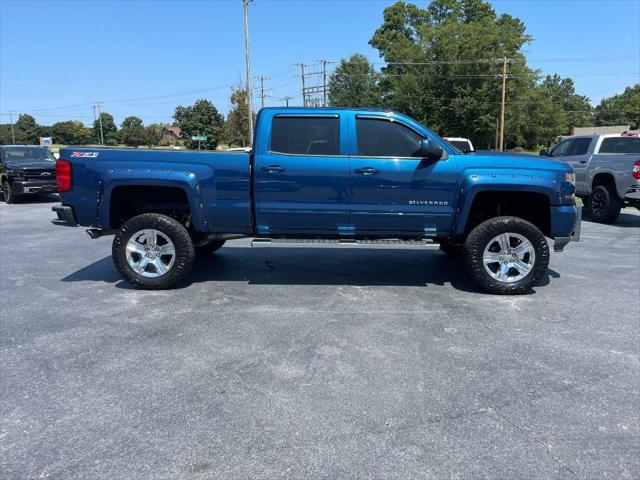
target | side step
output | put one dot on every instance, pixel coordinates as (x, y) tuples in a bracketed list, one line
[(343, 243)]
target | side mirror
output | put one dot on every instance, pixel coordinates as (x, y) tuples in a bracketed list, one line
[(430, 150), (544, 152)]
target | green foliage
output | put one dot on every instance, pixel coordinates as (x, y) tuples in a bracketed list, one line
[(622, 109), (200, 119), (71, 133), (461, 98), (355, 83), (109, 130), (5, 134), (153, 134), (132, 132), (27, 131), (236, 128)]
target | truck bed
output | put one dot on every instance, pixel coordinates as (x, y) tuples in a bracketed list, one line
[(216, 184)]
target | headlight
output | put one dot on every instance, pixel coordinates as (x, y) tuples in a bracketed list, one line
[(570, 177)]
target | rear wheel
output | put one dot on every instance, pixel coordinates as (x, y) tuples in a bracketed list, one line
[(506, 255), (604, 204), (153, 251)]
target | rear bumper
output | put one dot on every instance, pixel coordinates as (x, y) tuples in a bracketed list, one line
[(633, 194), (66, 218), (565, 226), (25, 186)]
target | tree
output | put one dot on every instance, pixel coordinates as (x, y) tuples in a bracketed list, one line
[(236, 128), (5, 134), (444, 65), (70, 133), (200, 119), (27, 131), (153, 134), (109, 130), (355, 83), (622, 109), (132, 132)]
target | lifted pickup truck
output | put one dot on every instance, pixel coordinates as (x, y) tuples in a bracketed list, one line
[(333, 176), (607, 169)]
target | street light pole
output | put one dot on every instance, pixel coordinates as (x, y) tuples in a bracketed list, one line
[(245, 4)]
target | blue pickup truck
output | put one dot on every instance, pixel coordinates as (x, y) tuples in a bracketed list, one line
[(328, 175)]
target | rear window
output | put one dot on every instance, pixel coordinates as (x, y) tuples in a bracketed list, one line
[(620, 145), (306, 135)]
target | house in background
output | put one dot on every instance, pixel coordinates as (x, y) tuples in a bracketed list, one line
[(616, 130), (170, 135)]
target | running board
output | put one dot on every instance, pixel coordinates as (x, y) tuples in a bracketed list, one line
[(343, 243)]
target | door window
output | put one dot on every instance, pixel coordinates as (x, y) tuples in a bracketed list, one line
[(562, 149), (306, 135), (580, 146), (382, 138)]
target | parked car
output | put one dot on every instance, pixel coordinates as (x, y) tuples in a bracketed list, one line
[(331, 176), (607, 169), (462, 144), (26, 169)]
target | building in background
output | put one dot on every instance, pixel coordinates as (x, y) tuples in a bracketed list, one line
[(615, 130), (170, 135)]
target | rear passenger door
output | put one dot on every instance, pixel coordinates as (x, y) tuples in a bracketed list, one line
[(301, 174)]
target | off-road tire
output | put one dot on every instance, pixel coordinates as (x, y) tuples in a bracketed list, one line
[(452, 250), (204, 249), (184, 250), (607, 204), (7, 193), (484, 233)]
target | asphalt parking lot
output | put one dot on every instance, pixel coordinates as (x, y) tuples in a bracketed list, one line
[(315, 363)]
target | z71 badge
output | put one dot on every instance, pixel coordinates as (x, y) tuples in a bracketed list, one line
[(429, 202), (84, 154)]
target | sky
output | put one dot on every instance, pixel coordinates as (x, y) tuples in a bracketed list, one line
[(144, 57)]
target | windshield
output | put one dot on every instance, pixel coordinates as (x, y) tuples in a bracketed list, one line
[(28, 154)]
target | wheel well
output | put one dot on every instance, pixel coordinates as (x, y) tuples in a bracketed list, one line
[(603, 179), (129, 201), (530, 206)]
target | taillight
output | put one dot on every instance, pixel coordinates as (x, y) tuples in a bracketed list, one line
[(636, 170), (63, 175)]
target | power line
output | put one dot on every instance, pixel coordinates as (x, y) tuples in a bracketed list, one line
[(262, 95)]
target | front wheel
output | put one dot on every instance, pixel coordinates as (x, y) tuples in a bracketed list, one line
[(153, 251), (506, 255), (7, 192)]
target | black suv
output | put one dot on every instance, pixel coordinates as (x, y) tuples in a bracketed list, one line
[(26, 169)]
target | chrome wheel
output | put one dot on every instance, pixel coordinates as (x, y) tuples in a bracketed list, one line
[(150, 253), (509, 257)]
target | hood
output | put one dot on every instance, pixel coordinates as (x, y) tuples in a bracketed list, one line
[(30, 165)]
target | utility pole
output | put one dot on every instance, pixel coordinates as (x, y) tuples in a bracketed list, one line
[(324, 81), (286, 99), (262, 78), (304, 90), (504, 97), (245, 4), (13, 137), (98, 105)]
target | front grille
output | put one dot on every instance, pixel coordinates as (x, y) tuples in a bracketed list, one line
[(38, 174)]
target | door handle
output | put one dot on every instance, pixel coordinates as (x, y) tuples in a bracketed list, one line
[(583, 161), (273, 169), (366, 171)]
